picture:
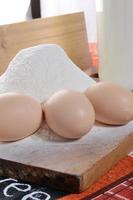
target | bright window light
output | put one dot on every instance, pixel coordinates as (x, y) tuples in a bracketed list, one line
[(13, 11), (99, 5)]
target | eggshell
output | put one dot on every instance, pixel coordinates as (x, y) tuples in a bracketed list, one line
[(20, 116), (69, 114), (113, 103)]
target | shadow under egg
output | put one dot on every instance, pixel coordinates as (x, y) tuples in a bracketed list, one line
[(46, 134), (102, 124)]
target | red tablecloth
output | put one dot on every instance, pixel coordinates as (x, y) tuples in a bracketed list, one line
[(121, 169)]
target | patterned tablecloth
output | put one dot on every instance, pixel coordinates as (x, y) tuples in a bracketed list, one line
[(116, 184)]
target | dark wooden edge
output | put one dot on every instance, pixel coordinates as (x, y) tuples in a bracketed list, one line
[(62, 181), (35, 9), (40, 176), (108, 187)]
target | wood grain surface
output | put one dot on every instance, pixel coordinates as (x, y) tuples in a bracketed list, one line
[(64, 164), (44, 157), (69, 31)]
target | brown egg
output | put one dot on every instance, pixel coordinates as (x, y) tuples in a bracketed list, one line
[(20, 116), (69, 114), (113, 103)]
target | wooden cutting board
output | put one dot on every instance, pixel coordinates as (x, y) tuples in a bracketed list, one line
[(45, 158), (64, 164)]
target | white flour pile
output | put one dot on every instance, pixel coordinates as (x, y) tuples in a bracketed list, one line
[(42, 70)]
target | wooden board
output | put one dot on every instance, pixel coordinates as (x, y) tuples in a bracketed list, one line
[(45, 158), (69, 31), (66, 165)]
